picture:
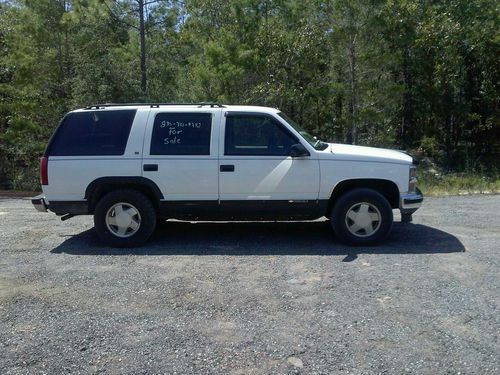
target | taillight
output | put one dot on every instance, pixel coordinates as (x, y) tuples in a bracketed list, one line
[(44, 172), (413, 179)]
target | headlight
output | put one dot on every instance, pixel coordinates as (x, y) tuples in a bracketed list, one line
[(412, 182)]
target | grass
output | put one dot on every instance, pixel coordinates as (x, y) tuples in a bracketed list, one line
[(457, 184)]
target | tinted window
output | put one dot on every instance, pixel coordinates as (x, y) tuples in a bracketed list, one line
[(181, 134), (256, 135), (93, 133)]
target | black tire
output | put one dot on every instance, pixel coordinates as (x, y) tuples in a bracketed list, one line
[(161, 223), (357, 198), (131, 197)]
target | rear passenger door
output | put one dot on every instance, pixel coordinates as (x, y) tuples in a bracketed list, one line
[(181, 153)]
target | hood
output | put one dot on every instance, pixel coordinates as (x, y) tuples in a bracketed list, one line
[(361, 153)]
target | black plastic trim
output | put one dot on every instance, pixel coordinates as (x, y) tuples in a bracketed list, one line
[(385, 187), (215, 210), (244, 210), (38, 200), (122, 180), (150, 167), (103, 184), (227, 168), (69, 207), (416, 200), (39, 203)]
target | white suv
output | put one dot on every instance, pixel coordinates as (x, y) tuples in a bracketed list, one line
[(130, 165)]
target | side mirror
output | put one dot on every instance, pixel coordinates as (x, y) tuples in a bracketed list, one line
[(298, 150)]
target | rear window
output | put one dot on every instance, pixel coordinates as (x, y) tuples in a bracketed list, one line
[(92, 133)]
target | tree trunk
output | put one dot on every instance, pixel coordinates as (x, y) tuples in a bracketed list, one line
[(407, 119), (352, 136), (142, 36)]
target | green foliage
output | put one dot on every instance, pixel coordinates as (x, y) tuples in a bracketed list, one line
[(395, 73), (429, 146), (458, 184)]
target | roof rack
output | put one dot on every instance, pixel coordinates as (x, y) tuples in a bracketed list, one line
[(152, 105)]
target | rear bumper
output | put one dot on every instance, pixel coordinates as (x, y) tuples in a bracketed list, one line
[(39, 203), (60, 207), (409, 203)]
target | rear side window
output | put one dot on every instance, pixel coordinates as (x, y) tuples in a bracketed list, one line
[(92, 133), (181, 134)]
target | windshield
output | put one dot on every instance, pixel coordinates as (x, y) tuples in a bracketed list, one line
[(313, 141)]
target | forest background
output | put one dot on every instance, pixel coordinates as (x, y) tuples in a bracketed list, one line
[(417, 75)]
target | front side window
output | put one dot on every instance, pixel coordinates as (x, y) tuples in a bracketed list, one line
[(256, 135), (93, 133), (181, 134)]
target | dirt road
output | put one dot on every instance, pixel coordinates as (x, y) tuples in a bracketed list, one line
[(254, 298)]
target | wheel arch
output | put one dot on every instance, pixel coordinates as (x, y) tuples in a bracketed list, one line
[(103, 185), (387, 188)]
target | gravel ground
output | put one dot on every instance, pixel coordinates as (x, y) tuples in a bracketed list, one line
[(254, 298)]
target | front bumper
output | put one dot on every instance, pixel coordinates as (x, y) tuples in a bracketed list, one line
[(39, 203), (410, 202)]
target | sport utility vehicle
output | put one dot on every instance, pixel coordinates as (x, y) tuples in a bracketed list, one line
[(131, 165)]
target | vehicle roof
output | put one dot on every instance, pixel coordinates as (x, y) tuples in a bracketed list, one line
[(179, 107)]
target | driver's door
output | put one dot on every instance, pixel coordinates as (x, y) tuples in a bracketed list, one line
[(254, 162)]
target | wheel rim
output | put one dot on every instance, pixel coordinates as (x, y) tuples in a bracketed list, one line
[(123, 219), (363, 219)]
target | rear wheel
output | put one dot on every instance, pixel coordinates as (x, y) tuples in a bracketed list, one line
[(124, 218), (362, 217)]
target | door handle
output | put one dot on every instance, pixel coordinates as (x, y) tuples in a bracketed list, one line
[(150, 167), (227, 168)]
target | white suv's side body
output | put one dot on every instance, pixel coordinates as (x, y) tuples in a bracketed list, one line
[(213, 161)]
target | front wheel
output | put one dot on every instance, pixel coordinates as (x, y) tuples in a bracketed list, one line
[(362, 217), (124, 218)]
